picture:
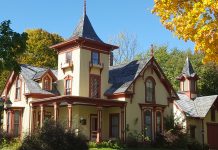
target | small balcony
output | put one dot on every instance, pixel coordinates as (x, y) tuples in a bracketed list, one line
[(98, 66), (67, 65)]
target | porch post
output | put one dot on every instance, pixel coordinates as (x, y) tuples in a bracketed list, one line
[(69, 115), (31, 119), (55, 112), (122, 124), (99, 132), (41, 115)]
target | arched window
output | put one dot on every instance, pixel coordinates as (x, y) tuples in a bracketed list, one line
[(148, 123), (47, 83), (158, 122), (18, 89), (150, 90), (68, 85)]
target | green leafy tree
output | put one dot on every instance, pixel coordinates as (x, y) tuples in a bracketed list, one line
[(12, 45), (38, 52)]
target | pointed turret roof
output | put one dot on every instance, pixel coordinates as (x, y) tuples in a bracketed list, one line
[(188, 69), (85, 30)]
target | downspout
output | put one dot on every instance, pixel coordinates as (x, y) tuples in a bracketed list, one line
[(202, 131)]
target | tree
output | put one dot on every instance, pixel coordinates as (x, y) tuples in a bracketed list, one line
[(12, 45), (192, 20), (38, 52), (127, 47)]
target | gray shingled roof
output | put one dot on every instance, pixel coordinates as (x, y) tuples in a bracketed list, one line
[(29, 72), (188, 69), (198, 107), (121, 76), (85, 30)]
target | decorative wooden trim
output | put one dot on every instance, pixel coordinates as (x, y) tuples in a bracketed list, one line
[(153, 92), (50, 73), (39, 95), (121, 95), (71, 80)]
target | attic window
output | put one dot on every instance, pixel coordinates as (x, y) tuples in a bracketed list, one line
[(68, 57), (150, 90), (47, 83)]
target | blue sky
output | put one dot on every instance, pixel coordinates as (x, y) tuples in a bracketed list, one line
[(108, 17)]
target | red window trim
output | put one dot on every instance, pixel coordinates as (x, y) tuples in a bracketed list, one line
[(153, 94), (98, 56), (110, 124), (99, 79), (68, 78), (11, 124), (49, 83), (18, 98)]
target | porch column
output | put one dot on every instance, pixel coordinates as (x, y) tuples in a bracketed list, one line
[(122, 124), (55, 111), (41, 115), (69, 116), (31, 119), (99, 132)]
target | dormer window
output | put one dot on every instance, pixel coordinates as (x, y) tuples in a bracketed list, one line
[(150, 90), (18, 89), (68, 57), (68, 85), (47, 83), (95, 58)]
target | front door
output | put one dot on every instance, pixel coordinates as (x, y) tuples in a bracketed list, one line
[(93, 127)]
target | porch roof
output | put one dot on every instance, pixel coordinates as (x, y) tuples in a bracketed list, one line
[(79, 100)]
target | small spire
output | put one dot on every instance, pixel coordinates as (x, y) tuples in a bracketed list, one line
[(84, 7), (152, 50)]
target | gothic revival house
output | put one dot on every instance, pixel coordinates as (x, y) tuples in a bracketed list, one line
[(198, 115)]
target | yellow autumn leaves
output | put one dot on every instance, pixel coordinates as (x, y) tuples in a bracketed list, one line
[(194, 20)]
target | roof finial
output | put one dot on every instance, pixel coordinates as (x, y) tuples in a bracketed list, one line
[(152, 50), (84, 7)]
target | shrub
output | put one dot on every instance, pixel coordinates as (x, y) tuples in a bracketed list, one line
[(114, 144), (53, 136)]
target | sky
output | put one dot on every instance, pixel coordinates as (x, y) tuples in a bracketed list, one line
[(108, 17)]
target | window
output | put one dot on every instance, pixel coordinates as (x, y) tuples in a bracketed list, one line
[(158, 122), (192, 131), (148, 123), (68, 85), (16, 121), (150, 90), (95, 58), (94, 84), (68, 57), (114, 125), (46, 83), (18, 89), (213, 114)]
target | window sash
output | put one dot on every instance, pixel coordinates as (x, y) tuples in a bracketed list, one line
[(95, 58), (148, 123), (114, 125), (68, 57), (68, 87)]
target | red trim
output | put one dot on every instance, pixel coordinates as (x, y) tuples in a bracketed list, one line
[(39, 95), (110, 124), (65, 79), (98, 77), (121, 95), (79, 41)]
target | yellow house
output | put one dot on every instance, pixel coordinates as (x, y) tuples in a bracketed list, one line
[(198, 115), (87, 93)]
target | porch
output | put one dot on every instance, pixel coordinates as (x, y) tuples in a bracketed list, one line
[(97, 119)]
